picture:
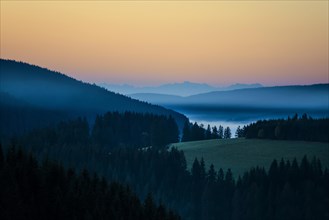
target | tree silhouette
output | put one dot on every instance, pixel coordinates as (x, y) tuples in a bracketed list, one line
[(227, 133), (220, 132)]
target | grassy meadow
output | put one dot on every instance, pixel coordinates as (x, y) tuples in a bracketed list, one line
[(240, 154)]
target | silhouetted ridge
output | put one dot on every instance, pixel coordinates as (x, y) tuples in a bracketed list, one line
[(48, 89)]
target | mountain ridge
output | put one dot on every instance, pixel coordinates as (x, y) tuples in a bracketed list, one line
[(53, 90), (315, 95)]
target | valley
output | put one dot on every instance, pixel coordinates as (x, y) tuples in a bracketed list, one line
[(164, 110)]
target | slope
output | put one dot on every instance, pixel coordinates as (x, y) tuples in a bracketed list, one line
[(309, 96), (298, 96), (241, 154), (51, 90)]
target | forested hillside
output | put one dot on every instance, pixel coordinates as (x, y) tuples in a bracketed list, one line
[(17, 116), (30, 190), (197, 194), (296, 128), (47, 90)]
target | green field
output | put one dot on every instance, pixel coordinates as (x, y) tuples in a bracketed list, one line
[(241, 154)]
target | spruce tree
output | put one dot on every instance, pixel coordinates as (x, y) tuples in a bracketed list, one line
[(227, 133), (220, 132), (208, 133), (186, 132), (214, 134)]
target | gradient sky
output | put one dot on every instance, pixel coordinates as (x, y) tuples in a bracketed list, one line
[(154, 42)]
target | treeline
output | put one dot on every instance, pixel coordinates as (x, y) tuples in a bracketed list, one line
[(134, 130), (109, 131), (195, 132), (287, 191), (48, 191), (302, 128)]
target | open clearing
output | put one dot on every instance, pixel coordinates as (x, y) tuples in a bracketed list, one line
[(241, 154)]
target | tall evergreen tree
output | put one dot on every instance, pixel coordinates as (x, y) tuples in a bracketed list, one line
[(238, 132), (214, 134), (208, 133), (186, 132), (227, 133), (220, 132), (1, 157)]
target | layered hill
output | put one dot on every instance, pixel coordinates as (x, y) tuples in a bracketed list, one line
[(248, 104), (23, 84), (297, 96)]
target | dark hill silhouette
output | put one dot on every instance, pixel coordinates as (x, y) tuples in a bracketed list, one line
[(18, 116), (50, 90)]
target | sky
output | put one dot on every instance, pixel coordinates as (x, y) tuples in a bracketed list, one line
[(156, 42)]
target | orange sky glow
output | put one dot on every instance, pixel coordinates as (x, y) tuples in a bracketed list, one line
[(155, 42)]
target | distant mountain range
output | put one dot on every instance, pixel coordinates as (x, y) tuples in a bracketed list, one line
[(24, 86), (180, 89), (279, 97)]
